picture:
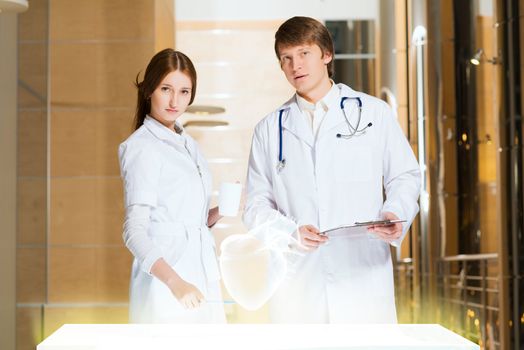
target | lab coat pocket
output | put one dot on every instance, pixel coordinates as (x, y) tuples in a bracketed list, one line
[(172, 238), (352, 163)]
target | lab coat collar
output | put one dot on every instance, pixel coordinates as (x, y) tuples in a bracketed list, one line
[(293, 121), (346, 91), (164, 133)]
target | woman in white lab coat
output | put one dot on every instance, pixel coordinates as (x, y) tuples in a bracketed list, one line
[(167, 189), (316, 169)]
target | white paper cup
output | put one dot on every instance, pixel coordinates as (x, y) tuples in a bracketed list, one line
[(229, 198)]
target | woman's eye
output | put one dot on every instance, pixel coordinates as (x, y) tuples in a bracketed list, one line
[(185, 92), (165, 89)]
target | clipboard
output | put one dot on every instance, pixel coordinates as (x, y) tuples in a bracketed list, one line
[(379, 222), (360, 227)]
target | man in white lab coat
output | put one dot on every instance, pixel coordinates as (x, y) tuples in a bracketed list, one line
[(324, 159)]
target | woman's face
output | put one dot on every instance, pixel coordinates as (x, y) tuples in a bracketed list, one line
[(171, 98)]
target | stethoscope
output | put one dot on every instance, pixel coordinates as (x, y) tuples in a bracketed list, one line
[(353, 131)]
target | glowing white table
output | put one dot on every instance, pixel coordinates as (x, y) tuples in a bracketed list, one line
[(252, 336)]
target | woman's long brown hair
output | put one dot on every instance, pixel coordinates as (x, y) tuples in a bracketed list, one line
[(163, 63)]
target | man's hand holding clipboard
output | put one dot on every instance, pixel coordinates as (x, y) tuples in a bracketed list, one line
[(388, 229)]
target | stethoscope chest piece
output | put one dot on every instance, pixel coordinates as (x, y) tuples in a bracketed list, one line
[(281, 165)]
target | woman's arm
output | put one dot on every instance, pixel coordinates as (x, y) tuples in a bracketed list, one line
[(136, 239), (150, 257), (141, 170)]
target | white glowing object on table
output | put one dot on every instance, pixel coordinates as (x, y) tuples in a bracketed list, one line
[(253, 264), (251, 271)]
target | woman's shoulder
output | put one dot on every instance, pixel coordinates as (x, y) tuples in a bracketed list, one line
[(140, 139)]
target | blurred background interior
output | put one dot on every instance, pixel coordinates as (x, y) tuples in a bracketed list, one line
[(452, 70)]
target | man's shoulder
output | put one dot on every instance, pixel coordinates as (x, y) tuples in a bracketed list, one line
[(272, 117)]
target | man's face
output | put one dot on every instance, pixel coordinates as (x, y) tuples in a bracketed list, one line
[(305, 67)]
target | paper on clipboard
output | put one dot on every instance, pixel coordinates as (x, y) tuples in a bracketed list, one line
[(350, 231)]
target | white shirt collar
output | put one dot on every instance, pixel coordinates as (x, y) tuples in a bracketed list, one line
[(328, 100), (163, 132)]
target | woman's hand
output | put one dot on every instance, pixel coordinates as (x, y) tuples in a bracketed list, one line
[(187, 294), (213, 217)]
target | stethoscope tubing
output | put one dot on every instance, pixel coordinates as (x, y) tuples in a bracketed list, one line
[(352, 130), (280, 134)]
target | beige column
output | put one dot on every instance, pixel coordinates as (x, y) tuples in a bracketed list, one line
[(8, 96), (164, 24), (96, 49), (77, 63)]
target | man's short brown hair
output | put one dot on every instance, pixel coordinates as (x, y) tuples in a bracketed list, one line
[(305, 30)]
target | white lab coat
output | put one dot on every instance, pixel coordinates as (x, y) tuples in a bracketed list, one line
[(329, 182), (166, 171)]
